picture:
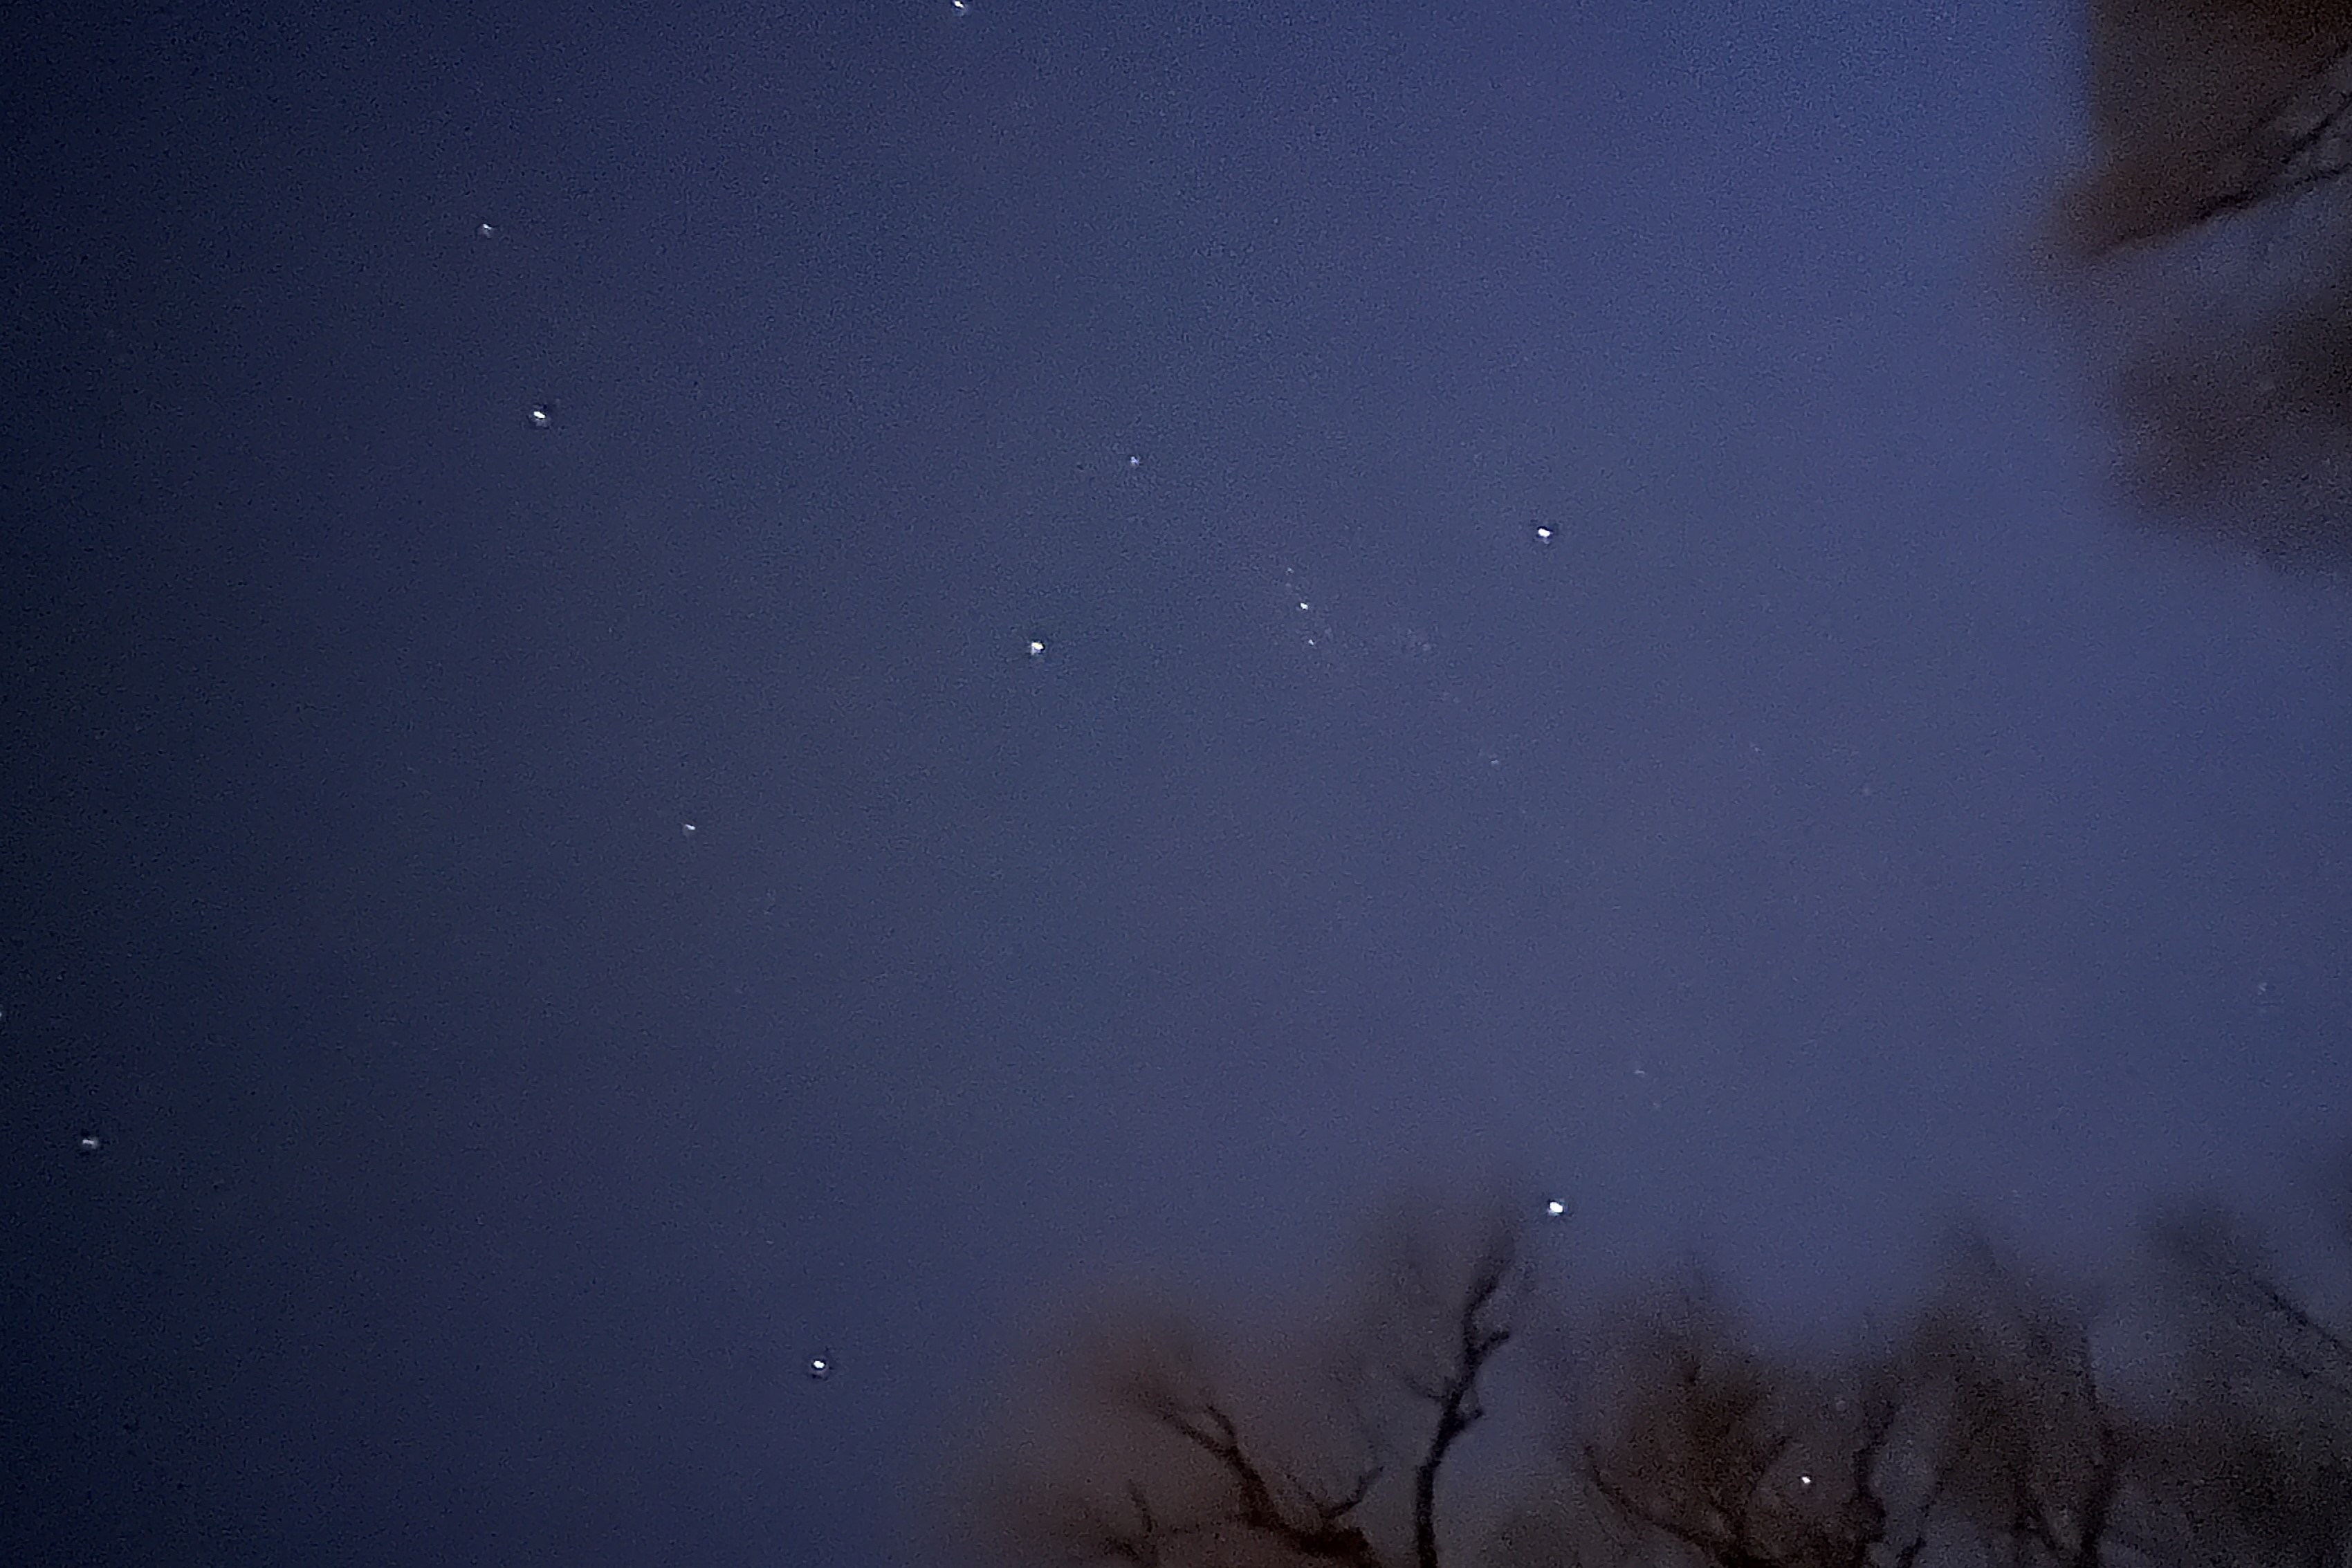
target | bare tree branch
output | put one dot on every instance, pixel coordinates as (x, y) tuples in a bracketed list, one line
[(1753, 1464), (2226, 342), (1476, 1339), (1984, 1428), (2030, 1448), (1315, 1527), (2255, 1457), (2205, 109)]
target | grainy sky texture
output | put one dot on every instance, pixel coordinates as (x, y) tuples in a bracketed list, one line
[(545, 886)]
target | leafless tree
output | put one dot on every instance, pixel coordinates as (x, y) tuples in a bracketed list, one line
[(1751, 1461), (1985, 1429), (2210, 215), (1173, 1461), (2201, 110), (2029, 1450), (1160, 1458), (1437, 1326), (2253, 1460)]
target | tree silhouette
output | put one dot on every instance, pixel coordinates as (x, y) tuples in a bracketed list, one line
[(1746, 1461), (1987, 1428), (1184, 1457), (2210, 215), (2029, 1450), (2256, 1463), (2202, 109)]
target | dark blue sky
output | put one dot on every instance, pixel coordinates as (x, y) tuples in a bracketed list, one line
[(553, 927)]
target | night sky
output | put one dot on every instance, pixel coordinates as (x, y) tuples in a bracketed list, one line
[(1583, 623)]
